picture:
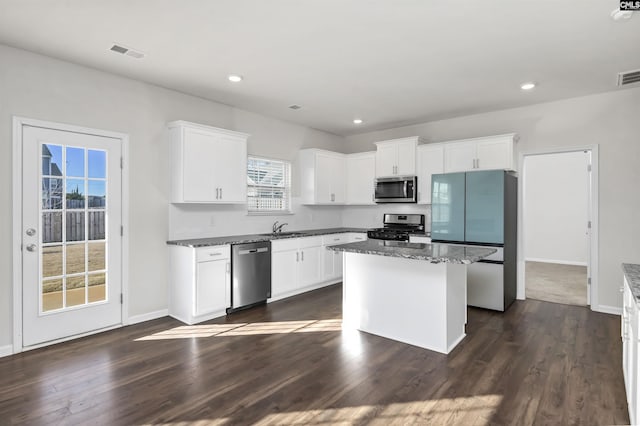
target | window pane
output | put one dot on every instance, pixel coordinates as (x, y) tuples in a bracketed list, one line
[(97, 164), (75, 162), (97, 225), (51, 193), (96, 256), (75, 226), (75, 290), (52, 227), (268, 184), (51, 261), (75, 258), (51, 294), (97, 287), (75, 193), (51, 160), (97, 193)]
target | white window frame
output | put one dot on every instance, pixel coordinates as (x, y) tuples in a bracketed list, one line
[(286, 189)]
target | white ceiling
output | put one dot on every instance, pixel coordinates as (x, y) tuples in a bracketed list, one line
[(387, 62)]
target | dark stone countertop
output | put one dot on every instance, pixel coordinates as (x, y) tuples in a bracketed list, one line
[(632, 274), (252, 238), (434, 253)]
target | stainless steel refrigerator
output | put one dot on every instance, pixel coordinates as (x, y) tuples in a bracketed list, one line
[(480, 208)]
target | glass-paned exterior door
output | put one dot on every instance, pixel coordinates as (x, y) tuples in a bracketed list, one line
[(72, 244)]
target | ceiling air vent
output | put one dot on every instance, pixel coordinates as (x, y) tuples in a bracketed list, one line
[(294, 106), (127, 51), (628, 77)]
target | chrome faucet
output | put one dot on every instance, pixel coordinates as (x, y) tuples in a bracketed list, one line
[(278, 228)]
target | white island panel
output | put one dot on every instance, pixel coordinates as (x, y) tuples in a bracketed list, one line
[(408, 300)]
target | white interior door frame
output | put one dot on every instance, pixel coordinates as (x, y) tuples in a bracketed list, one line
[(593, 235), (18, 124)]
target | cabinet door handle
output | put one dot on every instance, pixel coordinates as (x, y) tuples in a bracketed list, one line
[(336, 239), (302, 256), (215, 254), (221, 193), (217, 193), (297, 256), (228, 267)]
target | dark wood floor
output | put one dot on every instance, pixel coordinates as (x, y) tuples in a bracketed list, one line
[(288, 364)]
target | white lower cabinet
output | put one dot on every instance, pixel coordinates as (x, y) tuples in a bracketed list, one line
[(200, 282), (284, 271), (296, 266), (630, 351), (333, 259), (302, 264)]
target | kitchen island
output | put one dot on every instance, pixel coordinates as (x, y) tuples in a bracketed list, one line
[(410, 292)]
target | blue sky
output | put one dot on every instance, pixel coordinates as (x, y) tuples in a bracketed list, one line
[(75, 161), (75, 158)]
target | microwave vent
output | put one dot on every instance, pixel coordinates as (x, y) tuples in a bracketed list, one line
[(628, 77)]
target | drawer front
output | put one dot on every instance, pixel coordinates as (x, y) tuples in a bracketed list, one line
[(333, 239), (310, 242), (424, 240), (204, 254), (285, 244), (357, 236)]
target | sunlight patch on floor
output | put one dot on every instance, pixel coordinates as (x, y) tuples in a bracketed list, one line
[(476, 410), (471, 410), (245, 329)]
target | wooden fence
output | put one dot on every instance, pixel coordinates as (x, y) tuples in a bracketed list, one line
[(75, 226)]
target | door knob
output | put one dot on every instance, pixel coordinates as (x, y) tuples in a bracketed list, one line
[(30, 232), (31, 247)]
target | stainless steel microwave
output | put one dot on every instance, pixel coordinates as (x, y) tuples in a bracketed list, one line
[(397, 189)]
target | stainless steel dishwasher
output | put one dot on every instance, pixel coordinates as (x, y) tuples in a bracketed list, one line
[(251, 274)]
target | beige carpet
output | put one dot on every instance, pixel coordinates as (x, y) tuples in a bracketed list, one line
[(556, 283)]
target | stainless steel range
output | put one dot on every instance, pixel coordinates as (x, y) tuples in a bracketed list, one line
[(398, 227)]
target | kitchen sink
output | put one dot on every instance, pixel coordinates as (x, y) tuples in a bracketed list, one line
[(284, 234)]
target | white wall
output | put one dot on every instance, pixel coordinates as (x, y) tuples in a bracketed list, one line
[(555, 202), (371, 216), (608, 119), (40, 87)]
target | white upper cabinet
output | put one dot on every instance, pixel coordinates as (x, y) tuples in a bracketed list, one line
[(208, 164), (396, 157), (361, 174), (487, 153), (430, 161), (322, 176)]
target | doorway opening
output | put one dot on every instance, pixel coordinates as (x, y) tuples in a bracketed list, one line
[(558, 194)]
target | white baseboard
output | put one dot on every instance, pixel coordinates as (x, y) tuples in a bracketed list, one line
[(304, 290), (148, 316), (605, 309), (6, 350), (560, 262)]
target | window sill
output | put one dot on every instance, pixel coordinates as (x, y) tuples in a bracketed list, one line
[(271, 213)]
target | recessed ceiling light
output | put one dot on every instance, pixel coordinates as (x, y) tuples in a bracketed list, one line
[(621, 15), (357, 121), (527, 86), (234, 78)]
